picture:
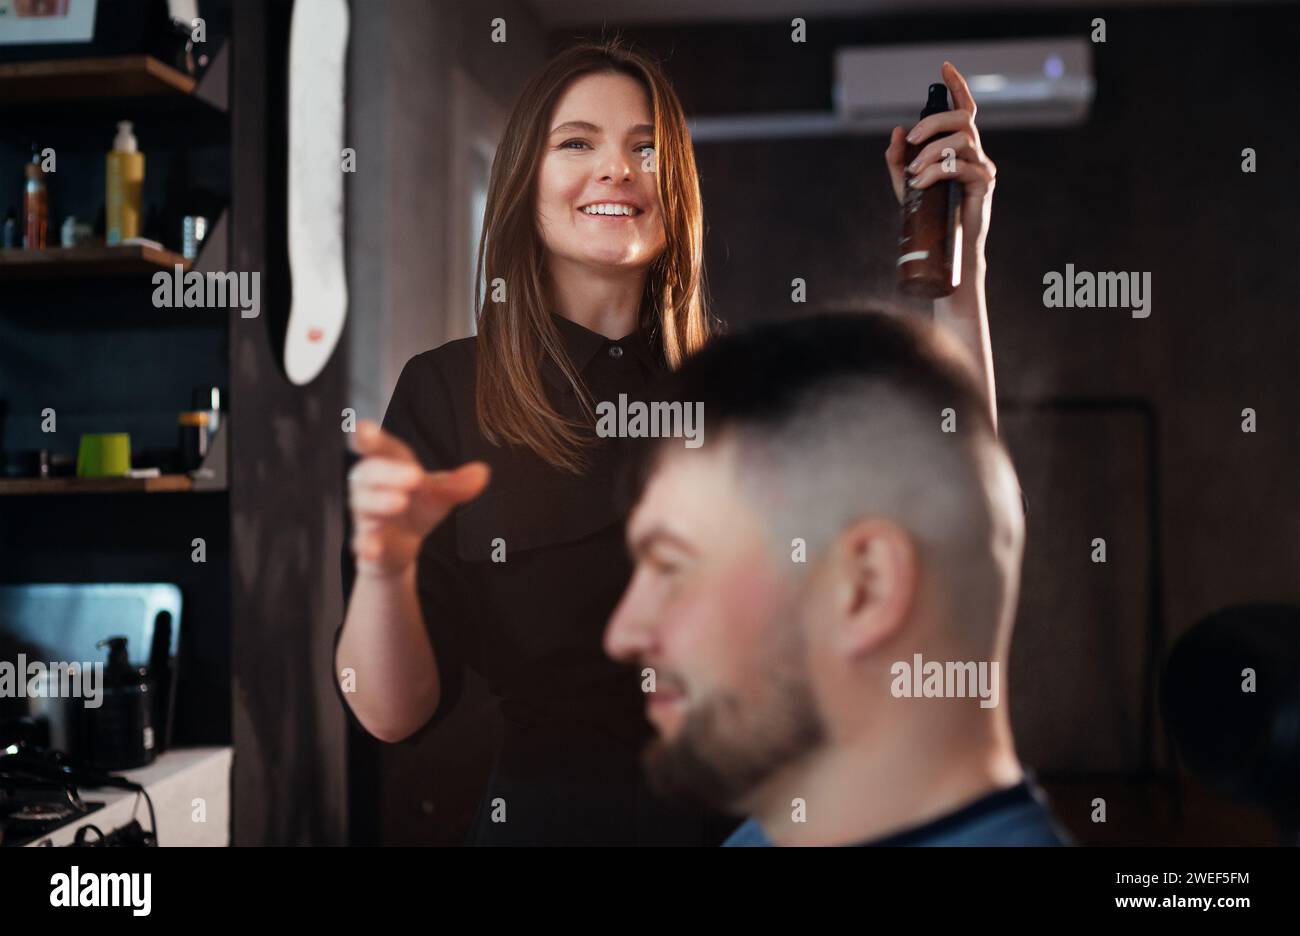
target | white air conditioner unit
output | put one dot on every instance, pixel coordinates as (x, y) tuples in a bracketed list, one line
[(1016, 82)]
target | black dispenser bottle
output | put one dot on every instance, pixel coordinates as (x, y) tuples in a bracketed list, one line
[(119, 733)]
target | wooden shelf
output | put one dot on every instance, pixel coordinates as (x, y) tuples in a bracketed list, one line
[(88, 261), (161, 485), (121, 76)]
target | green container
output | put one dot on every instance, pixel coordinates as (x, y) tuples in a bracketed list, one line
[(104, 455)]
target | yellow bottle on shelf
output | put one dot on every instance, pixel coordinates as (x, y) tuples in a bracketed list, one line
[(124, 187)]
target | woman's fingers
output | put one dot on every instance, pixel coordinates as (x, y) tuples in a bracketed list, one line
[(395, 503), (952, 121), (374, 502), (384, 534), (370, 439), (958, 145), (977, 177), (952, 147), (894, 160), (456, 485), (952, 130), (459, 485), (387, 495), (376, 471), (962, 99), (961, 117)]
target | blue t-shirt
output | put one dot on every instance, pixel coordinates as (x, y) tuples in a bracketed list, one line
[(1010, 817)]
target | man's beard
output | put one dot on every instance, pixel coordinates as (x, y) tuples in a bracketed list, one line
[(725, 749)]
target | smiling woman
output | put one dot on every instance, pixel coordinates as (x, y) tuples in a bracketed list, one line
[(591, 265), (597, 198), (600, 126)]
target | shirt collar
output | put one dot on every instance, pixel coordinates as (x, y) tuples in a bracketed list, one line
[(583, 344), (749, 834), (961, 818)]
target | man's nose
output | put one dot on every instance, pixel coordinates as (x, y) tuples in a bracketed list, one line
[(629, 634)]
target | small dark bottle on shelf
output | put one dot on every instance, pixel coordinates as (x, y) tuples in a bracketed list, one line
[(928, 267), (35, 205), (11, 239)]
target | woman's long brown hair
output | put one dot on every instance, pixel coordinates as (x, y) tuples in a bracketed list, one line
[(515, 336)]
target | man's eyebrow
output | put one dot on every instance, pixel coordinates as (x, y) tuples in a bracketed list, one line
[(641, 543), (586, 127)]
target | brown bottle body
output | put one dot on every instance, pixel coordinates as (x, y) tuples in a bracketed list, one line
[(35, 209), (928, 266)]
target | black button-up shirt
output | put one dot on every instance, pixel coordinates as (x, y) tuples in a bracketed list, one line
[(532, 625)]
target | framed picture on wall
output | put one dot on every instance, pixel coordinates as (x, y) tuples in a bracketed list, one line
[(28, 22)]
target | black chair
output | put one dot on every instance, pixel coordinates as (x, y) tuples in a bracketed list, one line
[(1242, 744)]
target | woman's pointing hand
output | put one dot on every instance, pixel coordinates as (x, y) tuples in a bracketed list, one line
[(395, 503)]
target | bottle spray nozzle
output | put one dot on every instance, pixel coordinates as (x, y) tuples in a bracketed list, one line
[(117, 655), (937, 100)]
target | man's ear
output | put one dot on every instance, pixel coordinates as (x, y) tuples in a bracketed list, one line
[(874, 575)]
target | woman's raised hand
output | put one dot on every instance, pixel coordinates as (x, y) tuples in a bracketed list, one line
[(395, 502), (954, 153)]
